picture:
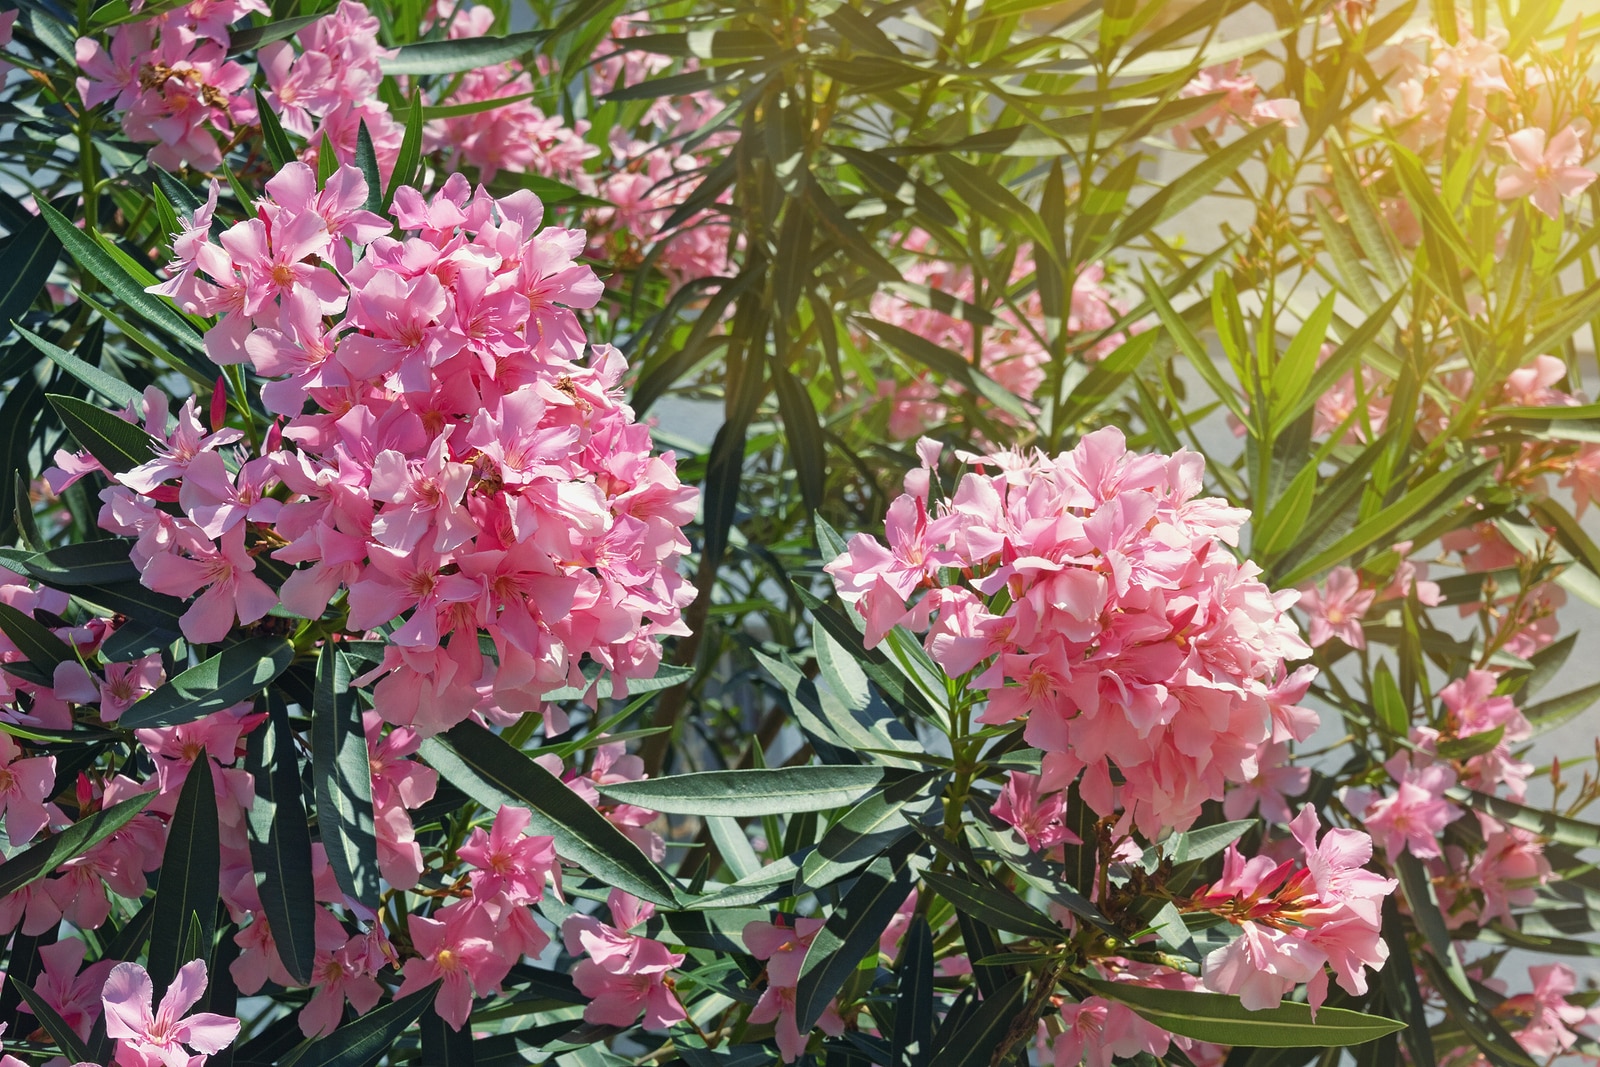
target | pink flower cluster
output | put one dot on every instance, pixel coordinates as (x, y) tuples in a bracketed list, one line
[(1094, 595), (330, 87), (783, 947), (463, 461), (1010, 350), (1294, 922), (1240, 103), (172, 80), (624, 974), (1096, 1031)]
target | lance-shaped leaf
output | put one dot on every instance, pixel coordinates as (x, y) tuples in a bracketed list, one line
[(113, 389), (852, 930), (232, 675), (97, 261), (914, 1000), (870, 828), (763, 791), (1221, 1019), (191, 872), (343, 780), (489, 770), (57, 1027), (363, 1042), (983, 1031), (119, 446), (74, 841), (280, 842), (998, 907), (444, 1046), (273, 139), (30, 255), (471, 53), (34, 640), (1559, 828)]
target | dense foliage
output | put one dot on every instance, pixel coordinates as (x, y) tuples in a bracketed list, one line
[(929, 535)]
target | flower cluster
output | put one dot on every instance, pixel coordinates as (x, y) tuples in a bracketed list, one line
[(172, 81), (452, 452), (1093, 594), (624, 974), (1238, 102), (1295, 922)]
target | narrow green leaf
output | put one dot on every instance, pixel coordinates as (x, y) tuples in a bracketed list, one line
[(280, 843), (1190, 186), (191, 869), (1205, 842), (363, 1042), (343, 776), (30, 255), (489, 770), (914, 999), (744, 793), (232, 675), (1362, 217), (91, 257), (1194, 348), (1223, 1020), (34, 640), (445, 1046), (84, 563), (367, 163), (804, 434), (997, 907), (1557, 828), (1418, 889), (410, 157), (45, 856), (273, 139), (58, 1028), (113, 389), (870, 828), (453, 57), (851, 931), (1388, 703), (1548, 714), (983, 1032), (119, 446)]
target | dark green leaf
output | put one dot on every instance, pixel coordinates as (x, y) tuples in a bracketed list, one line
[(869, 828), (44, 857), (273, 139), (30, 255), (471, 53), (804, 434), (191, 869), (363, 1042), (57, 1027), (852, 930), (34, 640), (765, 791), (406, 163), (113, 389), (343, 775), (1223, 1020), (280, 843), (994, 905), (492, 772), (367, 163), (1546, 824), (914, 1000), (444, 1046), (119, 446), (232, 675), (983, 1032)]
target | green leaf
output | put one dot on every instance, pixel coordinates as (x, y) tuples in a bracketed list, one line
[(1418, 889), (1548, 714), (444, 1046), (994, 905), (983, 1032), (343, 776), (232, 675), (804, 434), (884, 672), (1557, 828), (472, 107), (363, 1042), (119, 446), (1194, 348), (1223, 1020), (1190, 186), (367, 163), (113, 389), (1387, 702), (30, 255), (914, 1003), (1207, 841), (987, 196), (191, 869), (870, 828), (42, 858), (453, 57), (280, 843), (410, 157), (852, 930), (1362, 217), (942, 361), (765, 791), (327, 161), (255, 36), (1464, 748), (65, 1037), (273, 139), (489, 770), (34, 640), (91, 257)]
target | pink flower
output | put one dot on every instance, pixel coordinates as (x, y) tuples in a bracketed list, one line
[(1416, 813), (25, 787), (1548, 1031), (74, 996), (459, 948), (625, 974), (510, 863), (1274, 783), (145, 1039), (1036, 818), (226, 573), (1544, 173), (1337, 608), (126, 683)]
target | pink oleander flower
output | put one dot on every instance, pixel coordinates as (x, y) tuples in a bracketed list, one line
[(227, 574), (126, 683), (1240, 103), (1545, 173), (1474, 709), (75, 996), (25, 787), (1270, 790), (1548, 1031), (1294, 922), (1336, 609), (148, 1040), (1093, 598), (783, 947), (625, 974), (1416, 813), (509, 862), (460, 949), (1037, 818)]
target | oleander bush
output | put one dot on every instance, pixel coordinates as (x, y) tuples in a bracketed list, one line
[(858, 533)]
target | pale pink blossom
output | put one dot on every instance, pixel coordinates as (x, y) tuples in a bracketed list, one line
[(1546, 173)]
